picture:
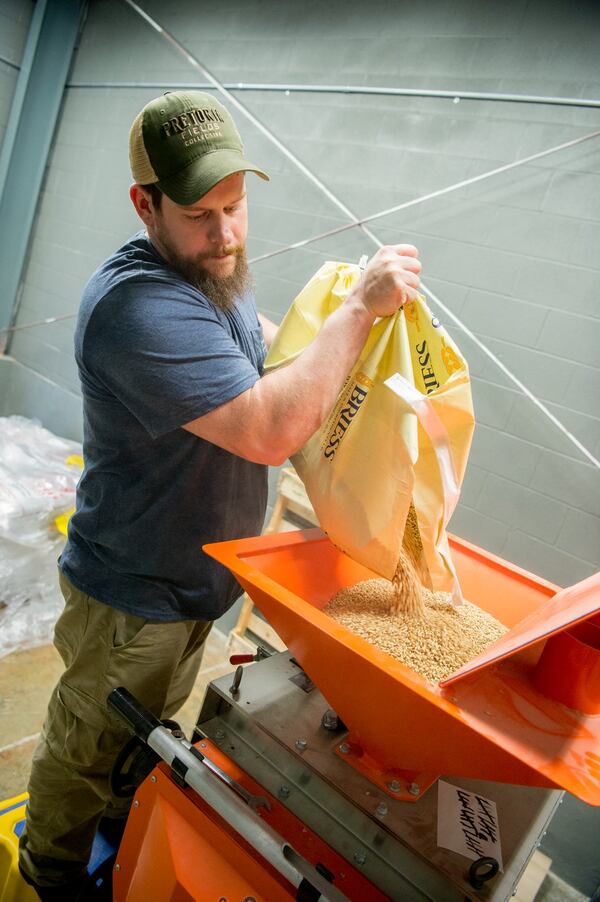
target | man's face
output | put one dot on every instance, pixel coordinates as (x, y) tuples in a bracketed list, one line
[(205, 241)]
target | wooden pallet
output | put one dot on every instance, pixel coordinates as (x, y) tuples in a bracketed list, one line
[(532, 877), (292, 500)]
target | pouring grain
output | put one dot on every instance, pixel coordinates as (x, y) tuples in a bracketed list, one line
[(407, 597), (411, 570), (435, 644)]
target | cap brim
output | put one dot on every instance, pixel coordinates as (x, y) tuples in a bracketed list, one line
[(197, 179)]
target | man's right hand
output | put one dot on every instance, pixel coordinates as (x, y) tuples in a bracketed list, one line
[(390, 279)]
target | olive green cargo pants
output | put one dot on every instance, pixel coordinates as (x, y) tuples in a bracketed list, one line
[(69, 792)]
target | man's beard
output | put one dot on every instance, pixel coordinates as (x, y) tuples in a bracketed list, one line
[(223, 291)]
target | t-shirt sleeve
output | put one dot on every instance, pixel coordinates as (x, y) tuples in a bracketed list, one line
[(164, 353)]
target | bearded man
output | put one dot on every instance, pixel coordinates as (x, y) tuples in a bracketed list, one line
[(179, 427)]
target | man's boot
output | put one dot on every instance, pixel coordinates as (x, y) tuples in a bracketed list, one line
[(61, 892)]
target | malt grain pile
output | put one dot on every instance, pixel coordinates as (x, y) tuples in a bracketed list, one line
[(435, 644)]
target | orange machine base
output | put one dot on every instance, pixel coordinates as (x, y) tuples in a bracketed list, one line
[(177, 848)]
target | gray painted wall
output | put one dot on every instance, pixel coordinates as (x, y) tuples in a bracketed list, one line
[(15, 16), (515, 257)]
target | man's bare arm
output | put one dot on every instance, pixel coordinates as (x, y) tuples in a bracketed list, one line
[(273, 419)]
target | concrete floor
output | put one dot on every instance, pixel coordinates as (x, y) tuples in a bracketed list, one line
[(26, 681)]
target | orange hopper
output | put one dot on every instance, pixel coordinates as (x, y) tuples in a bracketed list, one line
[(505, 716)]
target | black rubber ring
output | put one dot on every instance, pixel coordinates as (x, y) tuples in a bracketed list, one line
[(482, 870)]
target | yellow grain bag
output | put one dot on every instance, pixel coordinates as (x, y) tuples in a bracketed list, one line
[(385, 468)]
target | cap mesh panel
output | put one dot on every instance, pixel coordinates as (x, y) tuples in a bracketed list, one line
[(141, 167)]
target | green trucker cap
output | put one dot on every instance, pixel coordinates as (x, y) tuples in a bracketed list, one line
[(185, 142)]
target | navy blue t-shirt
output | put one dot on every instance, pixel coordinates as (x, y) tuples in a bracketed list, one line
[(154, 353)]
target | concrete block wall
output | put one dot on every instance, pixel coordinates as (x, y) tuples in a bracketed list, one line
[(15, 16), (514, 257)]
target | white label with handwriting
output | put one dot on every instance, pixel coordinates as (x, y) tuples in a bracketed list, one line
[(467, 823)]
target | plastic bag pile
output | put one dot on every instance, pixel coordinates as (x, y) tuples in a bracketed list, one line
[(38, 475)]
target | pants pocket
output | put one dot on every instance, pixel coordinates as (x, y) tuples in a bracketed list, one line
[(71, 625), (80, 734), (127, 629), (146, 662)]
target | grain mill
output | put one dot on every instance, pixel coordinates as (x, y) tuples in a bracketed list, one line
[(319, 768)]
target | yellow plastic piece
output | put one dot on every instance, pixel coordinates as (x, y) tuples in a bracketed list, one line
[(62, 521), (12, 886)]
